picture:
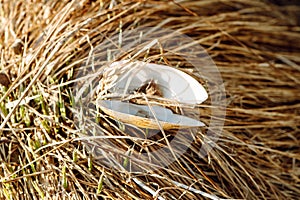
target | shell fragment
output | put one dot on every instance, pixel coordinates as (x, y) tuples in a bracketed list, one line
[(174, 84), (145, 116), (152, 79)]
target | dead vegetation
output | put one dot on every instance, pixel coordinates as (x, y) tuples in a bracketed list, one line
[(255, 45)]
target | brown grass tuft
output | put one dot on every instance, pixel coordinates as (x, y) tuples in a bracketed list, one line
[(44, 45)]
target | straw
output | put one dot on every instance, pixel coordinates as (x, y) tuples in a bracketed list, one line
[(47, 49)]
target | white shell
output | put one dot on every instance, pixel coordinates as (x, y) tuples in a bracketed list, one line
[(143, 115), (174, 84)]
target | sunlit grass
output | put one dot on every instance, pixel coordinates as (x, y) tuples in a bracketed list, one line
[(45, 45)]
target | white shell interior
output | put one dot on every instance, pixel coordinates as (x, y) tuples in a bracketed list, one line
[(173, 83), (161, 114)]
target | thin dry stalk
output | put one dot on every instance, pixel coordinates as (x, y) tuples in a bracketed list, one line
[(46, 48)]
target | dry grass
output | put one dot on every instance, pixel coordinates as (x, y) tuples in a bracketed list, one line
[(255, 45)]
